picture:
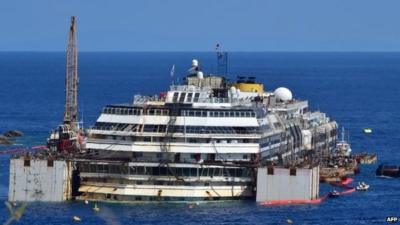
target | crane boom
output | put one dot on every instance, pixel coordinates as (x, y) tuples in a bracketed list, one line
[(71, 80)]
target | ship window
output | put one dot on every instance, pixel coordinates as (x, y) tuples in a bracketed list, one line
[(148, 171), (140, 170), (124, 170), (204, 172), (92, 169), (196, 97), (163, 171), (82, 168), (189, 97), (232, 172), (270, 171), (239, 172), (50, 163), (100, 168), (193, 172), (186, 172), (182, 97), (293, 172), (217, 172), (147, 139), (27, 162), (148, 128), (115, 169), (204, 113), (191, 113), (132, 170), (175, 97), (156, 171), (165, 112), (198, 113)]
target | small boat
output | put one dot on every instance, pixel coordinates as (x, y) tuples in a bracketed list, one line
[(367, 130), (96, 208), (362, 186), (334, 194), (76, 218)]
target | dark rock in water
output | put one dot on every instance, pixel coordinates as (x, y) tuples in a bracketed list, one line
[(13, 133), (5, 141)]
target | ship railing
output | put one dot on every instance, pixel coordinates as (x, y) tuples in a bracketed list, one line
[(189, 88), (180, 135)]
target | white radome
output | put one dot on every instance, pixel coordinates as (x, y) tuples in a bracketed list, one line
[(283, 94), (195, 63)]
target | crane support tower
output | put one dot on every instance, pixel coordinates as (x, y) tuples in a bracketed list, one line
[(71, 79)]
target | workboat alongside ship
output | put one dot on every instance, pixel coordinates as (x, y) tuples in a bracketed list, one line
[(202, 139)]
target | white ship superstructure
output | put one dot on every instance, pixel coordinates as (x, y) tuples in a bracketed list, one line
[(200, 140)]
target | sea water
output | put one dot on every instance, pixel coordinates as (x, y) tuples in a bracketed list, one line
[(358, 90)]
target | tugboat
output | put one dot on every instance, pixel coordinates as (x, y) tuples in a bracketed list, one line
[(343, 146), (388, 170)]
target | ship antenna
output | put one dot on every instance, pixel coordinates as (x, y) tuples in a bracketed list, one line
[(222, 61), (348, 136), (172, 73), (342, 133)]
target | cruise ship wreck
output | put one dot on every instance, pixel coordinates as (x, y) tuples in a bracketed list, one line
[(202, 139), (199, 140)]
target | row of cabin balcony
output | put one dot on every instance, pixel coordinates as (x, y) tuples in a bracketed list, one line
[(113, 180), (99, 138), (163, 171), (190, 113), (161, 128), (177, 158)]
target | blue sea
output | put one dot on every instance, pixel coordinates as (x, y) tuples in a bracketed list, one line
[(358, 90)]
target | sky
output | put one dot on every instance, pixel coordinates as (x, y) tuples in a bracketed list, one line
[(188, 25)]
